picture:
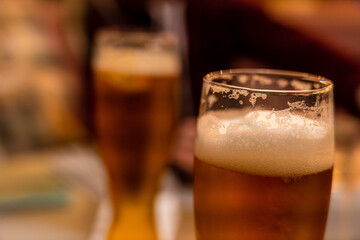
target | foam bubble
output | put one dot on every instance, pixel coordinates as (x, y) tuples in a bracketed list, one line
[(264, 143), (153, 62)]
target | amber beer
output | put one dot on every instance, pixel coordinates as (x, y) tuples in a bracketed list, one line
[(249, 186), (136, 112), (263, 156), (260, 207)]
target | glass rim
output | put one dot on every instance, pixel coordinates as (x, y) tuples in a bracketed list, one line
[(327, 84)]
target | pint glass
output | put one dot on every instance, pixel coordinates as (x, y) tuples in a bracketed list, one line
[(263, 155), (136, 105)]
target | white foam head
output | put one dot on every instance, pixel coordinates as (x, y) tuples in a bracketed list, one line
[(264, 143), (133, 61)]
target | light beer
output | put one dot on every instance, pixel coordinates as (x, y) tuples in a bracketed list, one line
[(261, 175), (136, 111)]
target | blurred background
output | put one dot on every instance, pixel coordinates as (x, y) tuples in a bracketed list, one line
[(52, 182)]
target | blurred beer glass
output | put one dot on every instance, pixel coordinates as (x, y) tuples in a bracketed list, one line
[(263, 155), (136, 105)]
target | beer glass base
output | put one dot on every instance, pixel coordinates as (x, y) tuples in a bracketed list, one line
[(134, 222)]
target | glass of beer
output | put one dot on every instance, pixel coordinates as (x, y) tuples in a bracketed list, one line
[(263, 155), (136, 77)]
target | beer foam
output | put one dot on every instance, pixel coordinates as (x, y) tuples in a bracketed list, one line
[(132, 61), (265, 143)]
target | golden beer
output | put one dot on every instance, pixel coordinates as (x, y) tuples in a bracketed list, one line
[(259, 173), (135, 127), (136, 111)]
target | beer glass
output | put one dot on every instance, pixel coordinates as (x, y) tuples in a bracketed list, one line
[(136, 76), (263, 155)]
